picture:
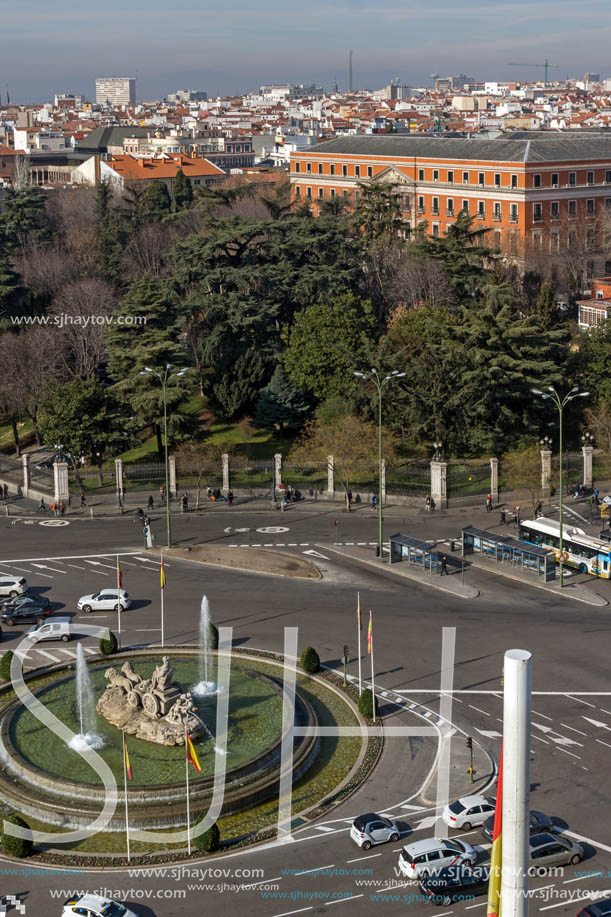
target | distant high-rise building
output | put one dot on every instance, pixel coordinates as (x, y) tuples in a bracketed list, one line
[(591, 77), (115, 90)]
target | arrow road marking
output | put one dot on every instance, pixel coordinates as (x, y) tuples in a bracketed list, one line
[(426, 822), (316, 554), (596, 723), (227, 530), (45, 567), (489, 733)]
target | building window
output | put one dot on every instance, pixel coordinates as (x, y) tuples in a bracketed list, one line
[(420, 204), (608, 203), (435, 232), (536, 241), (451, 178), (308, 192), (332, 169), (590, 178), (465, 178), (357, 171), (450, 206), (514, 181), (435, 205), (465, 206), (344, 171), (555, 210), (297, 167), (572, 208), (420, 174), (537, 215), (555, 180), (297, 191), (608, 177), (435, 174), (369, 171), (320, 168), (346, 192), (590, 206), (481, 178), (536, 181), (497, 179), (497, 211), (590, 242), (572, 178), (554, 243), (513, 213), (498, 237), (321, 192), (332, 192), (308, 167)]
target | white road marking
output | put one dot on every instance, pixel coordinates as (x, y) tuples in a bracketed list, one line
[(588, 840), (370, 857), (98, 563), (48, 655), (323, 828), (578, 731), (591, 875), (596, 723), (69, 653), (306, 871), (543, 716), (45, 567), (90, 650), (548, 907), (605, 711), (540, 739), (600, 742), (478, 710), (300, 911), (76, 566), (38, 573), (426, 823), (471, 906), (313, 553), (570, 696), (263, 881), (571, 753), (490, 734)]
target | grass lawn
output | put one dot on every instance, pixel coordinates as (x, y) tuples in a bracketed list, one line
[(7, 442)]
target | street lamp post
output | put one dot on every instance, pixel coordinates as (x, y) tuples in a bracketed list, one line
[(379, 382), (588, 440), (164, 378), (560, 403)]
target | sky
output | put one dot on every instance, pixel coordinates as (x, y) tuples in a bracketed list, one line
[(231, 47)]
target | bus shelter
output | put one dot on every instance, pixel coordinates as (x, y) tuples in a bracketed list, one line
[(416, 553), (506, 550)]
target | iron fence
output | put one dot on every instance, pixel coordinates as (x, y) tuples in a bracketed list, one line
[(467, 478), (410, 479)]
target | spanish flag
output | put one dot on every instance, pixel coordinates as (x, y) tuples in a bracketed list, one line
[(191, 754), (496, 854), (369, 635), (162, 574), (358, 612), (128, 767)]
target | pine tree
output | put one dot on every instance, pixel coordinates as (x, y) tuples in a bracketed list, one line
[(157, 202), (280, 406), (22, 218), (110, 237), (464, 255), (182, 191), (377, 214), (546, 308)]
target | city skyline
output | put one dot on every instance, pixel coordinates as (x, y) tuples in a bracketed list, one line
[(189, 46)]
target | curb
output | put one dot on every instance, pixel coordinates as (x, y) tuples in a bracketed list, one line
[(600, 602)]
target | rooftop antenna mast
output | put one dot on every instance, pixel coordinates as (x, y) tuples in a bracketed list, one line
[(350, 70)]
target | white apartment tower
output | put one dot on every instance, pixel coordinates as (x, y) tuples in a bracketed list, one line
[(115, 90)]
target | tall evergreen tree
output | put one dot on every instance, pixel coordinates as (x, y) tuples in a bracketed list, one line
[(546, 309), (464, 255), (377, 213), (157, 202), (110, 237), (182, 192), (22, 219), (280, 406)]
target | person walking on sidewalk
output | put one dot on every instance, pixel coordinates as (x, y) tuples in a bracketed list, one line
[(489, 503), (374, 501), (444, 566), (83, 501), (427, 504), (183, 503), (516, 514), (162, 495), (502, 519)]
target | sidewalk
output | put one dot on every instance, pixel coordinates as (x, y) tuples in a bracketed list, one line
[(451, 583)]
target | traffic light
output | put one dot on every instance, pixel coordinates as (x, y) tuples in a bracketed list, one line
[(346, 650), (469, 742)]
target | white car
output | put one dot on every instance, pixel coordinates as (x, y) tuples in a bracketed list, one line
[(105, 600), (373, 829), (468, 812), (12, 585), (423, 858), (94, 906)]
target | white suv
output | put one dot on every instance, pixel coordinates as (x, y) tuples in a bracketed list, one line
[(94, 906), (12, 585), (424, 858), (106, 600)]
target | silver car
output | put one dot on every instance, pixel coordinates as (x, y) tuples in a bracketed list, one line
[(551, 850), (373, 829)]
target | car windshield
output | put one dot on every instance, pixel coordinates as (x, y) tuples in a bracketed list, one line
[(457, 807), (454, 845), (407, 856), (112, 909)]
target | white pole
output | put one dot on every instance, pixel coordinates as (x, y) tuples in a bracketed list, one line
[(360, 625), (125, 791), (118, 604), (517, 674), (373, 685), (162, 629), (188, 810)]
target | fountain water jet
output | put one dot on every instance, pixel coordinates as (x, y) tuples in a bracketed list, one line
[(87, 737), (204, 687)]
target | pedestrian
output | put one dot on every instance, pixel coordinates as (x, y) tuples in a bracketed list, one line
[(230, 497), (52, 507), (147, 520), (1, 493), (83, 501), (208, 493), (374, 500), (150, 504), (6, 491), (41, 506), (596, 500), (162, 494), (427, 504), (538, 510), (444, 566), (502, 521), (183, 503), (62, 508), (516, 514), (349, 497), (489, 503)]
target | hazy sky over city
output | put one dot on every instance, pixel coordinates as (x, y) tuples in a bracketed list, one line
[(49, 46)]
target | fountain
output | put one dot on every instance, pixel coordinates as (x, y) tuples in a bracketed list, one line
[(204, 687), (87, 737)]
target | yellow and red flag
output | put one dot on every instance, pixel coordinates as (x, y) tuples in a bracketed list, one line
[(128, 767), (192, 755), (369, 635), (162, 574), (496, 854)]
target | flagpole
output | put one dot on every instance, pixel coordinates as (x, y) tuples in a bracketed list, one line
[(118, 601), (187, 778), (162, 588), (360, 625), (125, 790), (373, 686)]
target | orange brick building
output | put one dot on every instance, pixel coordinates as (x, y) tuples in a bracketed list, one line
[(535, 192)]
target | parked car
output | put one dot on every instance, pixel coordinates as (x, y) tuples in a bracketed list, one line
[(32, 613), (552, 850), (455, 883), (539, 824), (373, 829), (94, 906), (20, 600), (56, 628), (105, 600), (12, 585), (432, 854), (596, 909), (468, 812)]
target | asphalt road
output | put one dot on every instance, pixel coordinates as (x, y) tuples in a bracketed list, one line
[(571, 724)]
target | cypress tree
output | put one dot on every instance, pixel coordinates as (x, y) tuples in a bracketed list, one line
[(182, 191)]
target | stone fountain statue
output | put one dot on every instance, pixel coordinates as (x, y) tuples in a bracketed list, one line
[(156, 710)]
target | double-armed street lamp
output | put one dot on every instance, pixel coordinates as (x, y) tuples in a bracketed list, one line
[(379, 381), (164, 378), (560, 403)]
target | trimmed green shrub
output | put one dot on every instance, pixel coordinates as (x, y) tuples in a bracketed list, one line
[(366, 704), (213, 636), (310, 660), (110, 646), (209, 840), (5, 665), (16, 846)]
